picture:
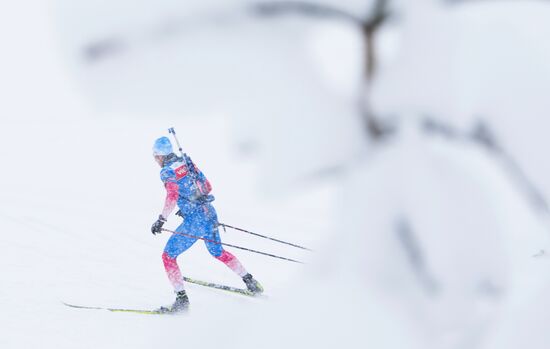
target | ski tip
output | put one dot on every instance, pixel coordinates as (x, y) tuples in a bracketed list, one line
[(79, 306)]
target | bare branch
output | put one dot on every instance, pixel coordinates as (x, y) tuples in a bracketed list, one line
[(484, 137), (304, 8), (416, 257), (378, 16), (104, 48)]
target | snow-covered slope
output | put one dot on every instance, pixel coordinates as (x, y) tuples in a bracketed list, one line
[(76, 217)]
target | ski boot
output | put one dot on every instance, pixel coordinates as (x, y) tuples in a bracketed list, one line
[(252, 284), (180, 305)]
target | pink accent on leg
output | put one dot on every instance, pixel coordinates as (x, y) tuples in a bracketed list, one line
[(233, 263), (173, 272)]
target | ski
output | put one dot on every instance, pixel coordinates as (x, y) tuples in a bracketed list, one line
[(122, 310), (231, 289), (235, 290)]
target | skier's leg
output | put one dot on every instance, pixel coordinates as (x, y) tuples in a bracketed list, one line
[(234, 264), (210, 230), (216, 250), (173, 272), (176, 245)]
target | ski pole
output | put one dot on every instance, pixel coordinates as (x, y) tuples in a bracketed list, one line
[(263, 236), (234, 246)]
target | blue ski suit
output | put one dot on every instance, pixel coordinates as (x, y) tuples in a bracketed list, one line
[(200, 220)]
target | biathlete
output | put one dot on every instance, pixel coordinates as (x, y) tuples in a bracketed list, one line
[(187, 187)]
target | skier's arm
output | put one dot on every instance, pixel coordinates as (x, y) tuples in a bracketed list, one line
[(171, 198)]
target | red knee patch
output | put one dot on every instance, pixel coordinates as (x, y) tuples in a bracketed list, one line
[(167, 260), (225, 257)]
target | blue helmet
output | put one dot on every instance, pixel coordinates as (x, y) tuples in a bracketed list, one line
[(162, 146)]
